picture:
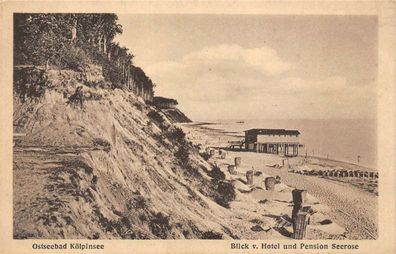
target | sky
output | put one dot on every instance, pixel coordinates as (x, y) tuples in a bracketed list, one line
[(222, 67)]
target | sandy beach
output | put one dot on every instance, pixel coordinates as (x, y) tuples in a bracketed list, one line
[(349, 202)]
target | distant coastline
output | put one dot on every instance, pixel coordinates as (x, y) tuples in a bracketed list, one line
[(363, 140)]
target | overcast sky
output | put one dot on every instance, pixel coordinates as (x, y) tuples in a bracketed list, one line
[(258, 66)]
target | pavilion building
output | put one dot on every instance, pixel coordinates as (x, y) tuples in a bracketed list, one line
[(275, 141)]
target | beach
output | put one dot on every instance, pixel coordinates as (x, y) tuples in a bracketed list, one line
[(335, 139), (350, 202)]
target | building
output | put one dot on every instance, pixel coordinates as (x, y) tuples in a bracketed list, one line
[(276, 141)]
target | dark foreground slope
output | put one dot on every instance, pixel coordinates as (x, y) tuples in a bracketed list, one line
[(109, 166), (107, 170)]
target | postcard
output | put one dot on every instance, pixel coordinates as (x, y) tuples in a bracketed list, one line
[(198, 127)]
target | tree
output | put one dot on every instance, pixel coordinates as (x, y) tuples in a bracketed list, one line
[(39, 37), (74, 40), (74, 28)]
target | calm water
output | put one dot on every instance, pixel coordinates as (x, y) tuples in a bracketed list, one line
[(338, 139)]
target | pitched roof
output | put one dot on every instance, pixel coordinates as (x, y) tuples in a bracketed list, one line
[(273, 132)]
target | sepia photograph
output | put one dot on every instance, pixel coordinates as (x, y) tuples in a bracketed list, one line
[(130, 125), (194, 126)]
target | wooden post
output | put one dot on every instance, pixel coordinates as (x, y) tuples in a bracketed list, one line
[(299, 196), (238, 161), (231, 169), (299, 216), (249, 177), (300, 225), (269, 183)]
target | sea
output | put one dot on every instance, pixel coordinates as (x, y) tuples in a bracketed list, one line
[(349, 140)]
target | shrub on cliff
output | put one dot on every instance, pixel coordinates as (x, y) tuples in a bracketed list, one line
[(30, 83), (73, 58), (177, 135), (157, 118), (211, 235), (226, 193), (160, 225), (216, 174), (182, 155), (112, 73), (205, 156)]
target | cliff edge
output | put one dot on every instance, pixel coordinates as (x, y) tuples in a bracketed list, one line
[(97, 163)]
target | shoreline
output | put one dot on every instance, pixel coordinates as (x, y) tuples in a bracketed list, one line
[(330, 191), (236, 135), (340, 161)]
